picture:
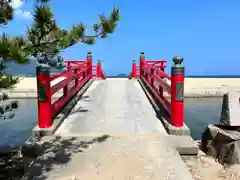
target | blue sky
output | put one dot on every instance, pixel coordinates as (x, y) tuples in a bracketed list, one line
[(205, 32)]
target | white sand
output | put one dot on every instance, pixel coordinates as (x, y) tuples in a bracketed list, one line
[(194, 87), (27, 88)]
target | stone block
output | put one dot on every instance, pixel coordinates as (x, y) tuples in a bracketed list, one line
[(230, 109), (222, 142), (185, 145)]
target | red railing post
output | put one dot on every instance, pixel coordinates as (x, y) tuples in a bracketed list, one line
[(77, 79), (44, 96), (89, 60), (141, 63), (134, 69), (161, 89), (99, 68), (151, 76), (177, 92)]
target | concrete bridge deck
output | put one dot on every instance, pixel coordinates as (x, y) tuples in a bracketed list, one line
[(112, 133), (112, 106)]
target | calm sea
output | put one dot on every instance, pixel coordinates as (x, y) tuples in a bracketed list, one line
[(198, 114)]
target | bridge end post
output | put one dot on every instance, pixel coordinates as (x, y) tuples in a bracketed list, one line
[(177, 92), (89, 63), (44, 96), (134, 69), (99, 69)]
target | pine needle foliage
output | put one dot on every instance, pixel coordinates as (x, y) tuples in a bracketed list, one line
[(46, 39), (13, 48), (6, 12)]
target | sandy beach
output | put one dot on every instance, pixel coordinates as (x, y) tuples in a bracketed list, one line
[(27, 88), (193, 87), (210, 87)]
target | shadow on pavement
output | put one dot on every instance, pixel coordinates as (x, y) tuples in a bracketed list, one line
[(58, 152)]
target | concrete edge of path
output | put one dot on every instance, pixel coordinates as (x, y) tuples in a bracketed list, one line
[(57, 121), (179, 137)]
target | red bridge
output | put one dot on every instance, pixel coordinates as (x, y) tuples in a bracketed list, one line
[(144, 111), (151, 72)]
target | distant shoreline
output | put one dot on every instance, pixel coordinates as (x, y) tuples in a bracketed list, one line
[(193, 87), (187, 76)]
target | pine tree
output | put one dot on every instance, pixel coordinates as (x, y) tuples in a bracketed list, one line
[(46, 39)]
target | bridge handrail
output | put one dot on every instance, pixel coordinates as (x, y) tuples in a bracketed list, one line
[(79, 71), (159, 82), (55, 76)]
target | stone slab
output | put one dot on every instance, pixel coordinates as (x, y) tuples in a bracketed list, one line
[(185, 145)]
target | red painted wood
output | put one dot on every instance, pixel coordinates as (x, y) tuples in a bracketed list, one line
[(162, 83), (55, 76), (177, 115), (59, 104), (90, 65), (134, 70), (98, 70), (78, 71), (61, 84), (44, 107), (153, 72)]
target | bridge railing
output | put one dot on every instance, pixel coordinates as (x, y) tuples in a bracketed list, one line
[(166, 90), (78, 73)]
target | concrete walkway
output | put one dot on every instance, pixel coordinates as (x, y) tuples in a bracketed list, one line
[(130, 157), (112, 106), (111, 134)]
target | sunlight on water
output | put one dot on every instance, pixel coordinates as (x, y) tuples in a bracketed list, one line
[(199, 112)]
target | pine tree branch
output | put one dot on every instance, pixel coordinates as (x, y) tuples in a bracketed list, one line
[(46, 39), (6, 12)]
